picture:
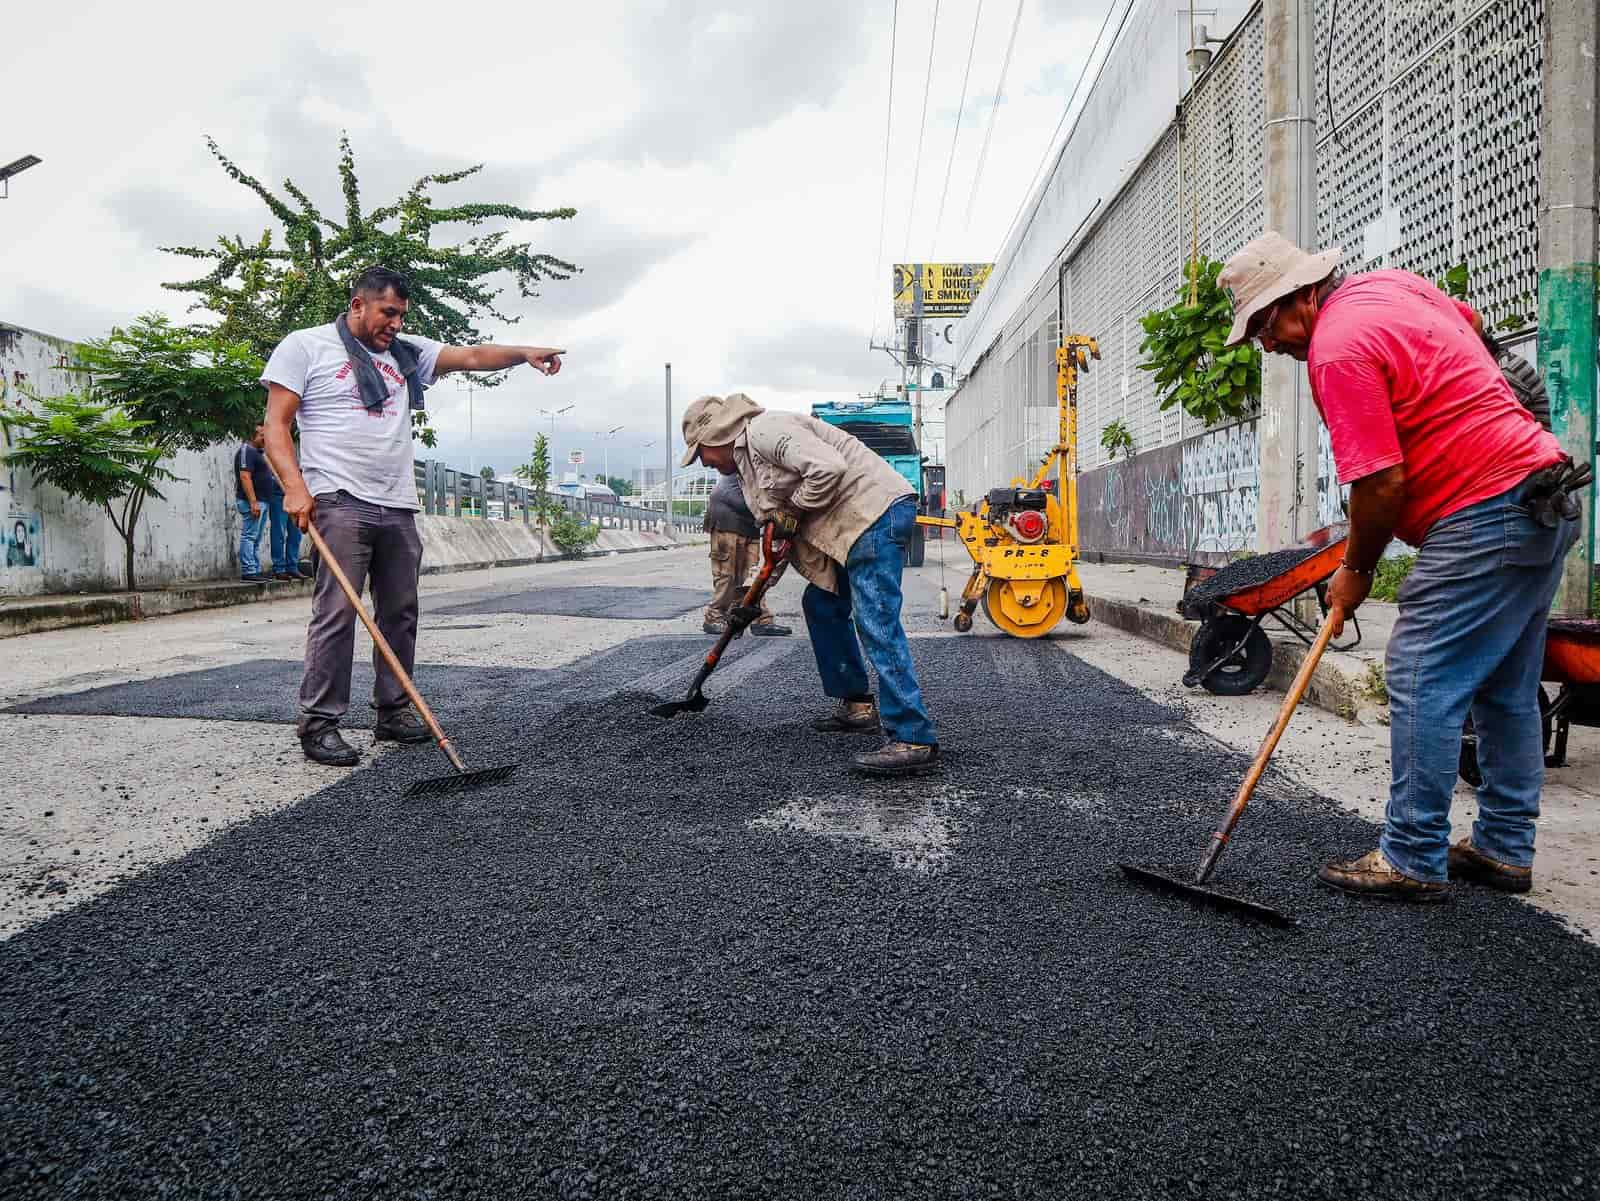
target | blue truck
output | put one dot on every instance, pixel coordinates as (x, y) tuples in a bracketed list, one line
[(889, 430)]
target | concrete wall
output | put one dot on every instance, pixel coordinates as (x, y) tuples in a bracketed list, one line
[(189, 536), (459, 543)]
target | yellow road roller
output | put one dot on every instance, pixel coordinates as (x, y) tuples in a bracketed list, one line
[(1024, 539)]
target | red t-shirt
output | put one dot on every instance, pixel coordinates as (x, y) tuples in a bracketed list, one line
[(1400, 376)]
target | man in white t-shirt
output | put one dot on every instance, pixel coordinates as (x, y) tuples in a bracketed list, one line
[(352, 385)]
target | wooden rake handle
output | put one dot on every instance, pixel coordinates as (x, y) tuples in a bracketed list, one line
[(1302, 680), (329, 563)]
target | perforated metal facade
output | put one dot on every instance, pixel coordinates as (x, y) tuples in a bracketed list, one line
[(1431, 160)]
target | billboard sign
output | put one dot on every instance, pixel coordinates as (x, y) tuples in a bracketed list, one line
[(948, 289), (575, 458)]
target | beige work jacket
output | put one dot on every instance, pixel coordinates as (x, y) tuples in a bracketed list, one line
[(836, 485)]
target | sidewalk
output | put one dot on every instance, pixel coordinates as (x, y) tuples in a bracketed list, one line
[(1143, 600)]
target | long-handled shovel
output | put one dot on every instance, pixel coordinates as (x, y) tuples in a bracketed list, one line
[(1195, 890), (772, 564), (463, 779)]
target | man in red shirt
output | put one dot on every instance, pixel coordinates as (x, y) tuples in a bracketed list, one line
[(1437, 451)]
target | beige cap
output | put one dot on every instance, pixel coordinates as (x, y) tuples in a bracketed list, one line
[(1267, 270), (715, 421)]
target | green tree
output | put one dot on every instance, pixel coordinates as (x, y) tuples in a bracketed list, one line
[(619, 485), (152, 390), (1183, 346), (92, 451), (1117, 439), (537, 472), (299, 274), (486, 472)]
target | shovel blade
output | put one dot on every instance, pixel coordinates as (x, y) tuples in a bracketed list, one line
[(693, 703), (462, 781), (1209, 897)]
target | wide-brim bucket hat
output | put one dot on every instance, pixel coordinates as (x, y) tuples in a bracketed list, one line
[(715, 421), (1267, 270)]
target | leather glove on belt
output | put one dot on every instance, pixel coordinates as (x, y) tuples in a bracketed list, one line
[(1549, 497), (785, 524)]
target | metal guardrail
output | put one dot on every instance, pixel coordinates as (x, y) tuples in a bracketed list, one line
[(444, 491)]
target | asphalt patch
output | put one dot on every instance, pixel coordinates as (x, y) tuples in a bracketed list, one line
[(640, 969), (615, 604), (268, 689)]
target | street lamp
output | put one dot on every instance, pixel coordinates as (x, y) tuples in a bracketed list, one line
[(16, 168), (605, 451), (553, 415)]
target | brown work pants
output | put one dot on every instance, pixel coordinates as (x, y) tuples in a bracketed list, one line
[(734, 561), (370, 542)]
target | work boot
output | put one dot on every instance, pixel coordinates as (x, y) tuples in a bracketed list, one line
[(898, 759), (851, 717), (327, 746), (284, 575), (769, 629), (255, 577), (1373, 875), (401, 726), (1468, 863), (717, 628)]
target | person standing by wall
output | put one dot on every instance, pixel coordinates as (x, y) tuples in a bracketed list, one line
[(735, 556), (252, 484), (352, 385), (285, 534)]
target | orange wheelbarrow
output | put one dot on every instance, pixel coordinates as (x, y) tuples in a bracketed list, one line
[(1572, 660), (1230, 653)]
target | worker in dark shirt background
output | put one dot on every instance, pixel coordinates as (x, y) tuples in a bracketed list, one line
[(252, 489), (735, 555)]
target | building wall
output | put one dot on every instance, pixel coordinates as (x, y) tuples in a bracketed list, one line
[(191, 535), (1433, 162)]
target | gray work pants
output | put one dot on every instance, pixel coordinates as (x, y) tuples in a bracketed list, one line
[(369, 542)]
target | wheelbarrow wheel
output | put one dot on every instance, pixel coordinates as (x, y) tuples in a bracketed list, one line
[(1468, 768), (1245, 669)]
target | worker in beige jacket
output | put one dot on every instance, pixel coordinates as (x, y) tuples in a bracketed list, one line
[(849, 516)]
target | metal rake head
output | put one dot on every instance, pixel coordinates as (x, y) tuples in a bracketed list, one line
[(1208, 897), (461, 781)]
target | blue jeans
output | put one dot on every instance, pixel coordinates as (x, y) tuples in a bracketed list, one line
[(285, 538), (249, 537), (867, 610), (1471, 633)]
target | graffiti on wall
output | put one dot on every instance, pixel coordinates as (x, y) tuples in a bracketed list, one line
[(1199, 500)]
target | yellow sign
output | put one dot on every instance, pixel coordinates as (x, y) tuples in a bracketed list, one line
[(948, 289)]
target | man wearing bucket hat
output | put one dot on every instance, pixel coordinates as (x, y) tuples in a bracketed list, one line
[(1437, 451), (849, 516)]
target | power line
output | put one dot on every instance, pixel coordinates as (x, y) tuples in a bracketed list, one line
[(992, 286), (916, 174), (972, 45), (883, 201), (994, 109)]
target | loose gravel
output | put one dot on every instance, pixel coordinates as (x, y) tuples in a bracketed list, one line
[(631, 973), (1248, 573)]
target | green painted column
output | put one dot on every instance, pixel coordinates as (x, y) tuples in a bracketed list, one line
[(1569, 249)]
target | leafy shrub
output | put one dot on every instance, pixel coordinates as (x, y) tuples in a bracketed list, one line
[(1390, 574), (572, 534), (1183, 346)]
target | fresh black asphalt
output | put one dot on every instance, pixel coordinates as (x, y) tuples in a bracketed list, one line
[(601, 980), (620, 604)]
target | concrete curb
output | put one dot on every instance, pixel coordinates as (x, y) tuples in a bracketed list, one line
[(21, 616), (1339, 684)]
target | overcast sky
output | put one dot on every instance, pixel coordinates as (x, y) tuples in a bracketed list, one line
[(725, 160)]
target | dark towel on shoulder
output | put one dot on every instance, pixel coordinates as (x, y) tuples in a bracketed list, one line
[(373, 390)]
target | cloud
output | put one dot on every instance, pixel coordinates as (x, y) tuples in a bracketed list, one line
[(708, 72), (60, 315), (811, 358)]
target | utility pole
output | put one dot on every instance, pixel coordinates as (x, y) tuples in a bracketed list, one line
[(1569, 258), (916, 356), (667, 479), (1287, 431)]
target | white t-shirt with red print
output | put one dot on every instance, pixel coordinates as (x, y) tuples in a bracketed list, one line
[(342, 444)]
